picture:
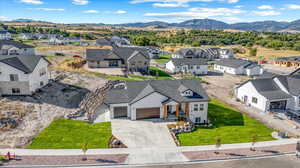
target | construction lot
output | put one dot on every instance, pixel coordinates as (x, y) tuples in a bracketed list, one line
[(23, 117)]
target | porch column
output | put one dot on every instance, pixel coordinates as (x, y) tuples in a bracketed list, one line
[(177, 110), (187, 109), (165, 112)]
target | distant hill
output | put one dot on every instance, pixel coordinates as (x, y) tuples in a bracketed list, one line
[(271, 26)]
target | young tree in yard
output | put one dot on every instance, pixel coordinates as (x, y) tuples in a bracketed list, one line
[(253, 52), (218, 144), (84, 149), (253, 141)]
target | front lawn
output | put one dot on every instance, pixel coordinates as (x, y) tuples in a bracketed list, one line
[(159, 74), (164, 58), (70, 134), (230, 125)]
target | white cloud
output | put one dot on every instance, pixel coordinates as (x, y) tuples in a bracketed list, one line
[(80, 2), (170, 5), (199, 13), (293, 6), (266, 13), (3, 17), (35, 2), (239, 6), (265, 7), (48, 9), (120, 12), (91, 11), (233, 1), (176, 3)]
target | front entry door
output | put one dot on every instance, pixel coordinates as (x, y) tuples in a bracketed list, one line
[(245, 99)]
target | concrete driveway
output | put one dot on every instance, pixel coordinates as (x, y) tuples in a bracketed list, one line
[(142, 134)]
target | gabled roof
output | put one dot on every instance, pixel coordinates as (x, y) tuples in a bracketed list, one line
[(170, 88), (291, 83), (236, 63), (25, 64), (187, 61), (292, 59), (98, 54), (14, 43), (269, 89)]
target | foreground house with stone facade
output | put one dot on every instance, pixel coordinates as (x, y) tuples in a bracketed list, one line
[(279, 93), (161, 99)]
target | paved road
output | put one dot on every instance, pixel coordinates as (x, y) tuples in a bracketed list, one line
[(288, 161)]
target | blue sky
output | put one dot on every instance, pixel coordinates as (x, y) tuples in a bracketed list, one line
[(124, 11)]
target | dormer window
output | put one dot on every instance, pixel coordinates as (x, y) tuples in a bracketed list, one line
[(187, 93)]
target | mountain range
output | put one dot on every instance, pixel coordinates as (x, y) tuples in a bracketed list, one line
[(269, 26)]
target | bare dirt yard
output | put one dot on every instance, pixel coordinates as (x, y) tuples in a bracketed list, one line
[(23, 117)]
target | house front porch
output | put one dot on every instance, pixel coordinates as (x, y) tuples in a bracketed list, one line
[(174, 110)]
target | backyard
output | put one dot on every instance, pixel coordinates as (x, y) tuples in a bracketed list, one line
[(229, 125), (70, 134)]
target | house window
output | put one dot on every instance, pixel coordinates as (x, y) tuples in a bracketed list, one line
[(201, 108), (41, 83), (254, 100), (190, 67), (196, 107), (14, 77), (198, 120), (42, 71), (15, 90), (198, 66)]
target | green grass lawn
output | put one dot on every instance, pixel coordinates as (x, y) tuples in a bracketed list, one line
[(70, 134), (154, 71), (230, 125), (164, 58)]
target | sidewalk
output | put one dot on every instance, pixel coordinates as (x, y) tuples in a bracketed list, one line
[(137, 156)]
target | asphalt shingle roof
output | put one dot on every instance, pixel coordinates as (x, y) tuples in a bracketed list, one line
[(186, 61), (26, 64), (269, 89), (97, 54), (14, 43), (235, 63), (170, 88)]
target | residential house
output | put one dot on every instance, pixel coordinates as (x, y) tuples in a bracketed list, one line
[(5, 35), (63, 40), (8, 47), (187, 66), (161, 99), (279, 93), (130, 58), (238, 67), (27, 36), (288, 61), (103, 42), (205, 53), (120, 41), (22, 75)]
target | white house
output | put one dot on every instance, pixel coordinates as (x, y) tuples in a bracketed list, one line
[(9, 47), (5, 35), (185, 65), (279, 93), (205, 53), (162, 99), (22, 75), (238, 67), (27, 36)]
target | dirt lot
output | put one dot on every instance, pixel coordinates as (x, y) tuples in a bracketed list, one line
[(53, 101)]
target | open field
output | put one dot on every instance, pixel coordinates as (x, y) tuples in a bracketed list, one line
[(228, 124), (69, 134), (269, 53)]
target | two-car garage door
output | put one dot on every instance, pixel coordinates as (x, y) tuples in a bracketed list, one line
[(144, 113)]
